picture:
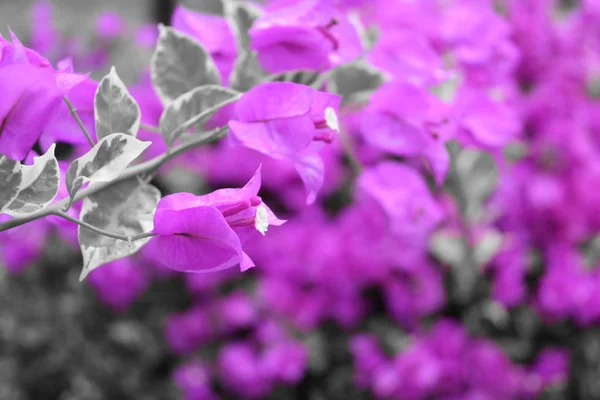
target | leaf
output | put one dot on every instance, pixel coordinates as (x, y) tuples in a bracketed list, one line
[(27, 189), (193, 108), (246, 73), (10, 180), (214, 7), (241, 16), (478, 173), (106, 161), (487, 247), (180, 64), (303, 77), (126, 208), (115, 109), (354, 80), (448, 248)]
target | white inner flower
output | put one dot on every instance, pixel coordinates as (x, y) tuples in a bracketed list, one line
[(331, 119), (261, 221)]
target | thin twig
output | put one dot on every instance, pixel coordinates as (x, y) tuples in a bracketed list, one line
[(79, 122), (129, 173), (350, 152), (150, 128), (103, 232)]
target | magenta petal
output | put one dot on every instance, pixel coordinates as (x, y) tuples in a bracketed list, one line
[(312, 173), (401, 99), (490, 123), (393, 135), (44, 36), (288, 48), (66, 81), (214, 32), (323, 100), (224, 196), (28, 104), (278, 139), (246, 263), (349, 41), (196, 240), (19, 54), (439, 160), (178, 201), (274, 100)]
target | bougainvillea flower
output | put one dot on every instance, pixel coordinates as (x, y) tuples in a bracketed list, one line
[(64, 128), (406, 120), (290, 122), (486, 123), (110, 25), (206, 233), (119, 283), (407, 54), (405, 199), (239, 367), (303, 35), (31, 96), (44, 36), (21, 246), (193, 378), (213, 32)]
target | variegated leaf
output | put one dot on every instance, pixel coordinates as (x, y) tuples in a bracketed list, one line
[(115, 109), (180, 64), (10, 180), (193, 109), (126, 208), (106, 161), (27, 189)]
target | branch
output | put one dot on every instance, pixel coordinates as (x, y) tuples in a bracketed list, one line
[(148, 166), (103, 232), (350, 151), (79, 122), (468, 274), (150, 128)]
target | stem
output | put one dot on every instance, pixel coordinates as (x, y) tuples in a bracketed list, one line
[(466, 276), (150, 128), (103, 232), (79, 122), (148, 166), (350, 152)]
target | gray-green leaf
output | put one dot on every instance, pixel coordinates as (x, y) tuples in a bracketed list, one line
[(180, 64), (241, 16), (355, 80), (126, 208), (301, 76), (193, 109), (105, 162), (10, 180), (247, 72), (115, 109), (214, 7), (27, 189)]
